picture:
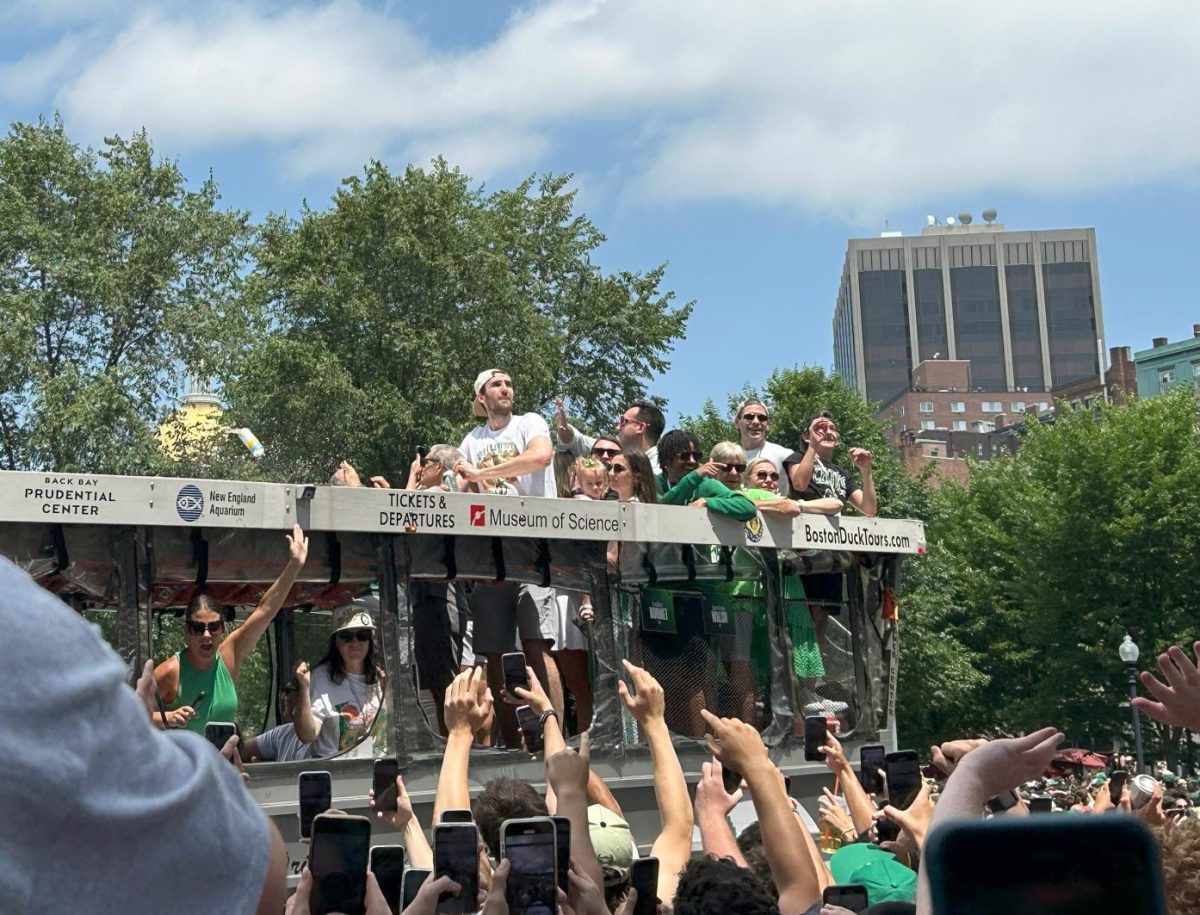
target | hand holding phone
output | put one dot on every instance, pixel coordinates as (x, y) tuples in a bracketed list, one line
[(870, 761), (383, 783), (903, 777), (852, 896), (816, 728), (531, 729), (456, 855), (338, 862), (531, 849), (643, 877), (218, 733), (513, 665), (414, 877), (387, 864), (316, 796)]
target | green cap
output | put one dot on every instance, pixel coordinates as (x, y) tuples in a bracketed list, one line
[(847, 859), (1169, 778), (886, 881), (613, 843)]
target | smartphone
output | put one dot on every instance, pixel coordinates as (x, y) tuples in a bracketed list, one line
[(562, 856), (338, 862), (387, 864), (1006, 800), (643, 877), (218, 732), (903, 777), (816, 728), (457, 816), (531, 728), (1051, 866), (852, 896), (731, 780), (414, 878), (513, 665), (870, 761), (1041, 804), (316, 796), (1116, 784), (384, 783), (531, 849), (456, 855), (422, 451)]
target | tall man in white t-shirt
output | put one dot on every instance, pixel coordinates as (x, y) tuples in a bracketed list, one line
[(511, 454), (752, 420)]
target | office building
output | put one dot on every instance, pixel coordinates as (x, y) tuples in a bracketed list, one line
[(1166, 365), (1022, 308)]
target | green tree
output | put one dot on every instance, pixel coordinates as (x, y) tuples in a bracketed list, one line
[(114, 280), (385, 306)]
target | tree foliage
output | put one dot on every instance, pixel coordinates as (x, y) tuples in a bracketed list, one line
[(384, 307), (114, 279)]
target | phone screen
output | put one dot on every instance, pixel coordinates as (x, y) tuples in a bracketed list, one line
[(456, 855), (338, 861), (562, 837), (1116, 784), (852, 896), (643, 877), (815, 731), (531, 728), (384, 783), (1052, 865), (870, 761), (457, 816), (903, 777), (530, 847), (218, 733), (1041, 805), (316, 796), (387, 864), (414, 877), (513, 665)]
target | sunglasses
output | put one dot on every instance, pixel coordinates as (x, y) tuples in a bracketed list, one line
[(606, 452), (354, 635), (618, 469), (689, 455), (766, 475), (625, 421), (214, 628), (751, 417), (729, 468)]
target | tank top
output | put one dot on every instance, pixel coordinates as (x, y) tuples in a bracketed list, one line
[(220, 702)]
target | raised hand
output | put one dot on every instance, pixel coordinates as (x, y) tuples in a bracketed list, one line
[(297, 545), (1179, 698), (1001, 765), (403, 814), (535, 697), (948, 755), (734, 742), (710, 790), (835, 756), (468, 701), (647, 701), (568, 769)]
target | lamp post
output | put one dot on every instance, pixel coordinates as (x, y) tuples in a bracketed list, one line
[(1129, 654)]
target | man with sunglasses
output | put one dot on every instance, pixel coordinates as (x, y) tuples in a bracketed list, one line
[(685, 481), (752, 420), (639, 429)]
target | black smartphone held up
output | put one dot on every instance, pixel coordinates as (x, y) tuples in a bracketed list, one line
[(218, 732), (316, 796), (1116, 784), (870, 761), (414, 878), (457, 816), (562, 857), (513, 665), (1052, 866), (384, 783), (1041, 804), (531, 850), (852, 896), (456, 855), (643, 877), (1006, 800), (903, 777), (816, 728), (730, 780), (387, 864), (338, 862), (531, 728)]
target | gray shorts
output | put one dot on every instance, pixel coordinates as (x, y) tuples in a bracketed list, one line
[(502, 611)]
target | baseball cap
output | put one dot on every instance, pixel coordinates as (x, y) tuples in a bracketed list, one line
[(613, 843), (480, 380), (352, 616), (886, 881), (849, 858)]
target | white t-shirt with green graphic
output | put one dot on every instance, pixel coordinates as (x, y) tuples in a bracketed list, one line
[(485, 446), (346, 712)]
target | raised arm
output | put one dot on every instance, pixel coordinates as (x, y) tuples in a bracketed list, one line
[(864, 499), (739, 746), (405, 819), (552, 737), (1176, 702), (468, 708), (304, 721), (824, 506), (567, 772), (673, 846), (242, 640), (713, 804), (862, 811)]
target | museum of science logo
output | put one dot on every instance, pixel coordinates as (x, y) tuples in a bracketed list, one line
[(189, 503)]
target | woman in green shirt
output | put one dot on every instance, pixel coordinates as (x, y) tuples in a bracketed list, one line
[(197, 683)]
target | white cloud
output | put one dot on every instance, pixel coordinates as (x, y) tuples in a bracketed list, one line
[(842, 107)]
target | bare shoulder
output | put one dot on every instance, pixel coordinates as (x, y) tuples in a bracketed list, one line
[(166, 675)]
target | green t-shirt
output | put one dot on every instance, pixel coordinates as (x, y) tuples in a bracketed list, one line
[(220, 702)]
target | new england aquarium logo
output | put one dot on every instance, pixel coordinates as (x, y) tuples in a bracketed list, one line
[(754, 529), (189, 503)]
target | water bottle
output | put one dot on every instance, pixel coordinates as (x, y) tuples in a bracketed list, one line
[(253, 445)]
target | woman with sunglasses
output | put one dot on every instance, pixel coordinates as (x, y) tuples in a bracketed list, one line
[(197, 684), (684, 481), (762, 484), (341, 696)]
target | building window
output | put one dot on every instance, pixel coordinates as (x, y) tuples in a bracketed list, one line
[(1043, 406), (960, 425), (957, 406), (1166, 377), (903, 409), (926, 406), (1196, 374), (1018, 406), (992, 406), (927, 424), (934, 452)]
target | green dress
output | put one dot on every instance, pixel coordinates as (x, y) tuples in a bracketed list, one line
[(220, 702)]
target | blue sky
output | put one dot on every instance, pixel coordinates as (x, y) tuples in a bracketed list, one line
[(741, 142)]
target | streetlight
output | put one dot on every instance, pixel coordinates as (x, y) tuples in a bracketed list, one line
[(1129, 654)]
